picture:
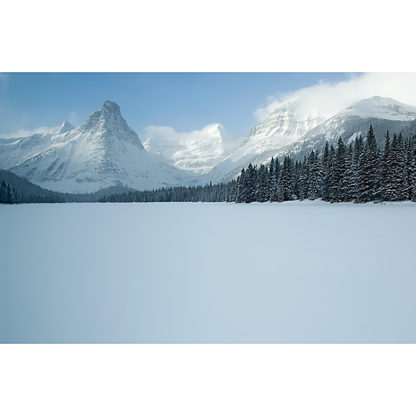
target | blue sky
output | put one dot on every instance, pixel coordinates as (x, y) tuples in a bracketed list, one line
[(184, 101)]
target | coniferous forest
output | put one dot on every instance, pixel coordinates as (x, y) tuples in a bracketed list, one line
[(358, 172)]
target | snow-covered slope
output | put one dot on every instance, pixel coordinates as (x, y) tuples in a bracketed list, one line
[(14, 151), (103, 151), (196, 151), (284, 132), (381, 112), (283, 126)]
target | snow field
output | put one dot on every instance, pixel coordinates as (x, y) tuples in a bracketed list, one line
[(213, 273)]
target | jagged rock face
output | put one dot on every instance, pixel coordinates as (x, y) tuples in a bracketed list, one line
[(103, 151)]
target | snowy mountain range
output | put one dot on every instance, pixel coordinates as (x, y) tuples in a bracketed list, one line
[(310, 132), (104, 151)]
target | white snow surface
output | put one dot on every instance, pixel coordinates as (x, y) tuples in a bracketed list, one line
[(296, 272)]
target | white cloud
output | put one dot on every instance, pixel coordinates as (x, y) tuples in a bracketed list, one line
[(74, 118), (26, 132), (327, 99), (197, 150)]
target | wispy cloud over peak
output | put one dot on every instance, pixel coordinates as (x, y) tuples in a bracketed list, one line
[(326, 98)]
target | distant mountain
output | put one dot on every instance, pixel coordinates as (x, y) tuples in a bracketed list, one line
[(277, 139), (103, 151), (198, 151), (285, 125), (382, 113)]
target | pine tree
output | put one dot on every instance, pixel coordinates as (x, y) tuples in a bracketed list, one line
[(251, 183), (330, 184), (314, 178), (286, 181), (271, 181), (241, 187), (349, 179), (368, 170), (396, 188), (385, 170), (325, 173), (338, 186), (304, 179), (277, 171), (262, 193)]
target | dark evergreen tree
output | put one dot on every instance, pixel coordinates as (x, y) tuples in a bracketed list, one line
[(314, 188), (286, 181), (368, 170), (251, 183), (325, 166), (262, 194), (350, 176)]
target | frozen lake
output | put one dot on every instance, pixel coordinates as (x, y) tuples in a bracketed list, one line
[(208, 273)]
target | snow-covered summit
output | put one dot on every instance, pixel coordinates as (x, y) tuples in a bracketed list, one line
[(103, 151), (285, 124), (64, 127), (381, 107)]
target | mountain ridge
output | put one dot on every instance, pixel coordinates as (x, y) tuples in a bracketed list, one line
[(104, 151)]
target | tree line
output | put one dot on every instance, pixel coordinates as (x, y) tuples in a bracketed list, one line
[(208, 193), (357, 172), (7, 193)]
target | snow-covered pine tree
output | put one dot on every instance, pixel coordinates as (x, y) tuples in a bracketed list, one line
[(338, 186), (410, 167), (325, 173), (271, 186), (368, 170), (285, 191), (349, 179), (396, 189), (314, 178), (251, 183), (304, 179), (330, 179), (277, 169), (385, 169), (262, 193), (241, 187)]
